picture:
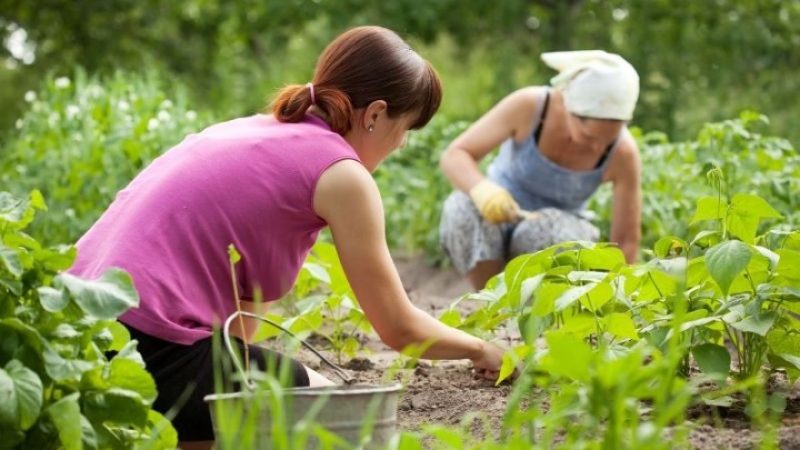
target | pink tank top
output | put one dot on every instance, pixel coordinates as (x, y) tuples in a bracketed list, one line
[(249, 182)]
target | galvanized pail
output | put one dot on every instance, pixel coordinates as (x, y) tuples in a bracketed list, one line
[(354, 412)]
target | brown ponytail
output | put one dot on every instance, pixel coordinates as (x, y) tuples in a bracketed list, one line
[(361, 66)]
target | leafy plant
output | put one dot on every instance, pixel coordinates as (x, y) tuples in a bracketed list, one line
[(83, 139), (322, 302), (58, 386)]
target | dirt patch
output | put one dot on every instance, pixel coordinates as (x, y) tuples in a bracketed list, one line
[(444, 392)]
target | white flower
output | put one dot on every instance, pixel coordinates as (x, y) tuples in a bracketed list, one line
[(72, 111), (69, 212), (123, 105), (153, 124), (19, 123), (53, 118), (166, 104), (164, 116), (191, 115), (62, 82), (95, 90), (30, 96)]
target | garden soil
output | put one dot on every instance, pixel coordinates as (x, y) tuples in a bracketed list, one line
[(444, 392)]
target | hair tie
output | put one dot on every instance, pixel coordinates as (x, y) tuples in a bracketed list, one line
[(310, 87)]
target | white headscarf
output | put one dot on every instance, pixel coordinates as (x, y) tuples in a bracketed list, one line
[(595, 83)]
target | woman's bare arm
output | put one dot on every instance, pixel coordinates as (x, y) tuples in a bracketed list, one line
[(348, 199), (512, 117)]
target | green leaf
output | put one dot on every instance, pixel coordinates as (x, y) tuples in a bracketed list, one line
[(105, 298), (714, 360), (568, 356), (789, 264), (52, 300), (669, 246), (545, 298), (621, 325), (163, 435), (10, 259), (117, 406), (65, 415), (743, 226), (318, 272), (572, 295), (37, 200), (29, 392), (760, 324), (120, 336), (753, 205), (709, 208), (511, 359), (9, 407), (606, 258), (451, 317), (726, 261)]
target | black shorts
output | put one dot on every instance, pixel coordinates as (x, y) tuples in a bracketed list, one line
[(185, 374)]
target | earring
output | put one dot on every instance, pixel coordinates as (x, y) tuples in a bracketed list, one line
[(370, 128)]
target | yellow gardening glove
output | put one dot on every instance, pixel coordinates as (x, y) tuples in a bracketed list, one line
[(495, 204)]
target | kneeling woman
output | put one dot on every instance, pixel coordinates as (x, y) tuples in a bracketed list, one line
[(558, 146), (269, 184)]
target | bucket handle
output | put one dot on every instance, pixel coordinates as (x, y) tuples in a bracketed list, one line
[(227, 336)]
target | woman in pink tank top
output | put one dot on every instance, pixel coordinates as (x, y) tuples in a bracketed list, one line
[(268, 184)]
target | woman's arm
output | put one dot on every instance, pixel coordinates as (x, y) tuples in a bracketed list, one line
[(625, 174), (348, 199), (512, 117)]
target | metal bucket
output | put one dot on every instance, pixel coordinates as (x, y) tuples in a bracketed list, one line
[(355, 413)]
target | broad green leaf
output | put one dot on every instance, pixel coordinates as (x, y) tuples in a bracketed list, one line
[(318, 272), (451, 317), (511, 359), (743, 226), (526, 290), (568, 356), (128, 374), (760, 324), (753, 205), (602, 258), (597, 297), (120, 336), (769, 255), (163, 435), (65, 415), (52, 300), (621, 325), (545, 298), (105, 298), (714, 360), (11, 261), (572, 295), (709, 208), (37, 200), (581, 325), (706, 238), (789, 264), (117, 406), (669, 246), (29, 392), (726, 261), (9, 407)]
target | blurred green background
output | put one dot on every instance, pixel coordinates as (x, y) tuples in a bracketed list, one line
[(699, 61)]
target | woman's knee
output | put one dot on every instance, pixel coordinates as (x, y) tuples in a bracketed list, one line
[(550, 226)]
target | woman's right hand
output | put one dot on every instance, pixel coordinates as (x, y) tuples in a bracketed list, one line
[(487, 363)]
